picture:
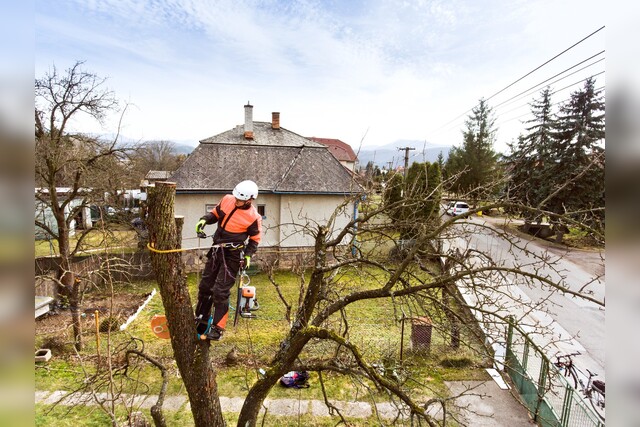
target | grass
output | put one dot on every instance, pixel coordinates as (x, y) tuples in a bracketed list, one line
[(96, 241), (374, 327)]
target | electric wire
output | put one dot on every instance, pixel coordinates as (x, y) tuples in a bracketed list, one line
[(435, 131), (527, 91), (540, 66), (601, 88), (520, 96), (553, 93)]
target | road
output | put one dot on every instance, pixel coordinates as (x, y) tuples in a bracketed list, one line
[(576, 324)]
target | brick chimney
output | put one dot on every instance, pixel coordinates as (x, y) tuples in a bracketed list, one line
[(248, 121), (275, 120)]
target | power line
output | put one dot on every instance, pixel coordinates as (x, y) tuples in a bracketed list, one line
[(558, 74), (533, 87), (558, 90), (508, 86), (540, 66), (553, 104)]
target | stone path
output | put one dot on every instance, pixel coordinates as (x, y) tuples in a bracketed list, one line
[(485, 405), (280, 407)]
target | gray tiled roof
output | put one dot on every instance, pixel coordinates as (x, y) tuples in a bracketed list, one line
[(157, 175), (278, 160), (262, 135)]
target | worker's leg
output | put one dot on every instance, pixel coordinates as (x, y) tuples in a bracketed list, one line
[(205, 289), (222, 286)]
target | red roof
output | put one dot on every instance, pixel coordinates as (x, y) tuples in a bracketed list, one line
[(340, 150)]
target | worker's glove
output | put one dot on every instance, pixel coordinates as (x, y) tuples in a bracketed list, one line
[(200, 229), (245, 262)]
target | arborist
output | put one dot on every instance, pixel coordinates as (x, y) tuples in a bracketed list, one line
[(235, 241)]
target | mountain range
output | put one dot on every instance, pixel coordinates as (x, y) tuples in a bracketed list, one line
[(394, 153), (382, 155)]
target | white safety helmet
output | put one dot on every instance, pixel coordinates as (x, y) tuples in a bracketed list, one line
[(246, 190)]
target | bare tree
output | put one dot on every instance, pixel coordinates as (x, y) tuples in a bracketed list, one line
[(156, 155), (71, 168), (469, 280)]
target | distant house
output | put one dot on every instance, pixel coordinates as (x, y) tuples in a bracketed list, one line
[(340, 150), (155, 176), (150, 180), (299, 181), (44, 214)]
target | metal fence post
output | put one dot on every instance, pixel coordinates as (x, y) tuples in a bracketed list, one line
[(542, 381), (566, 405), (510, 321)]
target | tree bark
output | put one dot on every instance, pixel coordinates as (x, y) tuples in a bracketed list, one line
[(69, 286), (293, 344), (191, 355)]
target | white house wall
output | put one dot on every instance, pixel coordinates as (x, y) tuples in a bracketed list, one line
[(301, 214), (286, 222)]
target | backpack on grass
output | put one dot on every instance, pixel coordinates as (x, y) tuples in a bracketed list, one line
[(295, 379)]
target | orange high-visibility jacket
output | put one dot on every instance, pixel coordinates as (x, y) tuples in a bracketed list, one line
[(236, 225)]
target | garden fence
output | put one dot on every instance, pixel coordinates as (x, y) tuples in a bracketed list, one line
[(550, 398)]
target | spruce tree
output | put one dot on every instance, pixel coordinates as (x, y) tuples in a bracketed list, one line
[(473, 165), (530, 159), (578, 152)]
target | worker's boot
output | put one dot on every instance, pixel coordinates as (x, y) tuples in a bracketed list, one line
[(203, 326)]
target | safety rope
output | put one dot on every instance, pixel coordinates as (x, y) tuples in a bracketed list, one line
[(253, 355), (152, 247)]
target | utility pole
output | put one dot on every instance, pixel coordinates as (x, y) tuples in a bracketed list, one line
[(406, 158)]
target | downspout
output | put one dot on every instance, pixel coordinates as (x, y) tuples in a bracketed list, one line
[(354, 241)]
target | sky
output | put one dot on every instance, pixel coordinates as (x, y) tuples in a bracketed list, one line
[(366, 72)]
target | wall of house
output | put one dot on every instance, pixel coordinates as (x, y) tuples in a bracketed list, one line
[(286, 222), (301, 214), (192, 207)]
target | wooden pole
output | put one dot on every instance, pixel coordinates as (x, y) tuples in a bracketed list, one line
[(402, 336), (97, 316)]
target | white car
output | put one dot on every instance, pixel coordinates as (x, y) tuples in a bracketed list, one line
[(457, 208)]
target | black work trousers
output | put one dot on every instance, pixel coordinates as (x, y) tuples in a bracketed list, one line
[(218, 277)]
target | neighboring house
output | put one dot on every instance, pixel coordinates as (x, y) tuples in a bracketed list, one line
[(300, 182), (150, 180), (154, 176), (44, 214), (340, 150)]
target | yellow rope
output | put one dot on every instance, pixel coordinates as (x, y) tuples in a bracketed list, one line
[(151, 247)]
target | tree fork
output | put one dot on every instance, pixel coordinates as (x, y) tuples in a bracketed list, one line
[(191, 355)]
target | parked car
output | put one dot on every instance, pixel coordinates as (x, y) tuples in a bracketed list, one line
[(457, 208)]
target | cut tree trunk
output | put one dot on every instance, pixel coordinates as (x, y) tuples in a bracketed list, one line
[(191, 355)]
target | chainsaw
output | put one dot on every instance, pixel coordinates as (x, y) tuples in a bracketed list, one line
[(246, 302)]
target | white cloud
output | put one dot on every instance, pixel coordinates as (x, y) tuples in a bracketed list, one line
[(333, 69)]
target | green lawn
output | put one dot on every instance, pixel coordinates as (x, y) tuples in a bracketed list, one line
[(98, 240), (374, 326)]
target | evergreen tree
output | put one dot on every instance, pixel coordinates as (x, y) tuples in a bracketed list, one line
[(422, 187), (577, 172), (530, 157), (473, 165)]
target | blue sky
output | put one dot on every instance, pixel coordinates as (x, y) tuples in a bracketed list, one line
[(360, 71)]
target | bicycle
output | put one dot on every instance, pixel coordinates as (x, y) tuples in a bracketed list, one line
[(593, 390)]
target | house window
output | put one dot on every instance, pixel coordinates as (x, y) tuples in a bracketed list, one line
[(261, 211)]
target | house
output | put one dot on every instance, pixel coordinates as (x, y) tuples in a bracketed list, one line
[(340, 150), (150, 180), (44, 214), (301, 184)]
